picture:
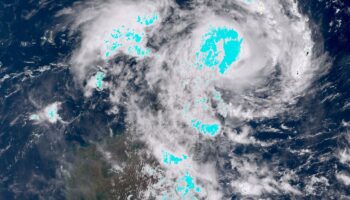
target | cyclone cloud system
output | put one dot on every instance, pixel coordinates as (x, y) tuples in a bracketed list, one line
[(165, 99)]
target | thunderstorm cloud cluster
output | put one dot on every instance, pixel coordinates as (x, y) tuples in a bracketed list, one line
[(191, 79)]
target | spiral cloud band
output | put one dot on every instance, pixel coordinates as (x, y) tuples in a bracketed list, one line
[(191, 79)]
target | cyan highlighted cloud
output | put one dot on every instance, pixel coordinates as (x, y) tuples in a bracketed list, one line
[(171, 159), (99, 80), (147, 20), (186, 187), (220, 47), (206, 129), (130, 38)]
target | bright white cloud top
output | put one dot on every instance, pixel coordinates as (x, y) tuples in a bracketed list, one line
[(211, 70)]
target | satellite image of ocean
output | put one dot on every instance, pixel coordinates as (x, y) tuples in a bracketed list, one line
[(174, 99)]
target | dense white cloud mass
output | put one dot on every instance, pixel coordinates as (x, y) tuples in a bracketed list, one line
[(174, 105), (343, 178)]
